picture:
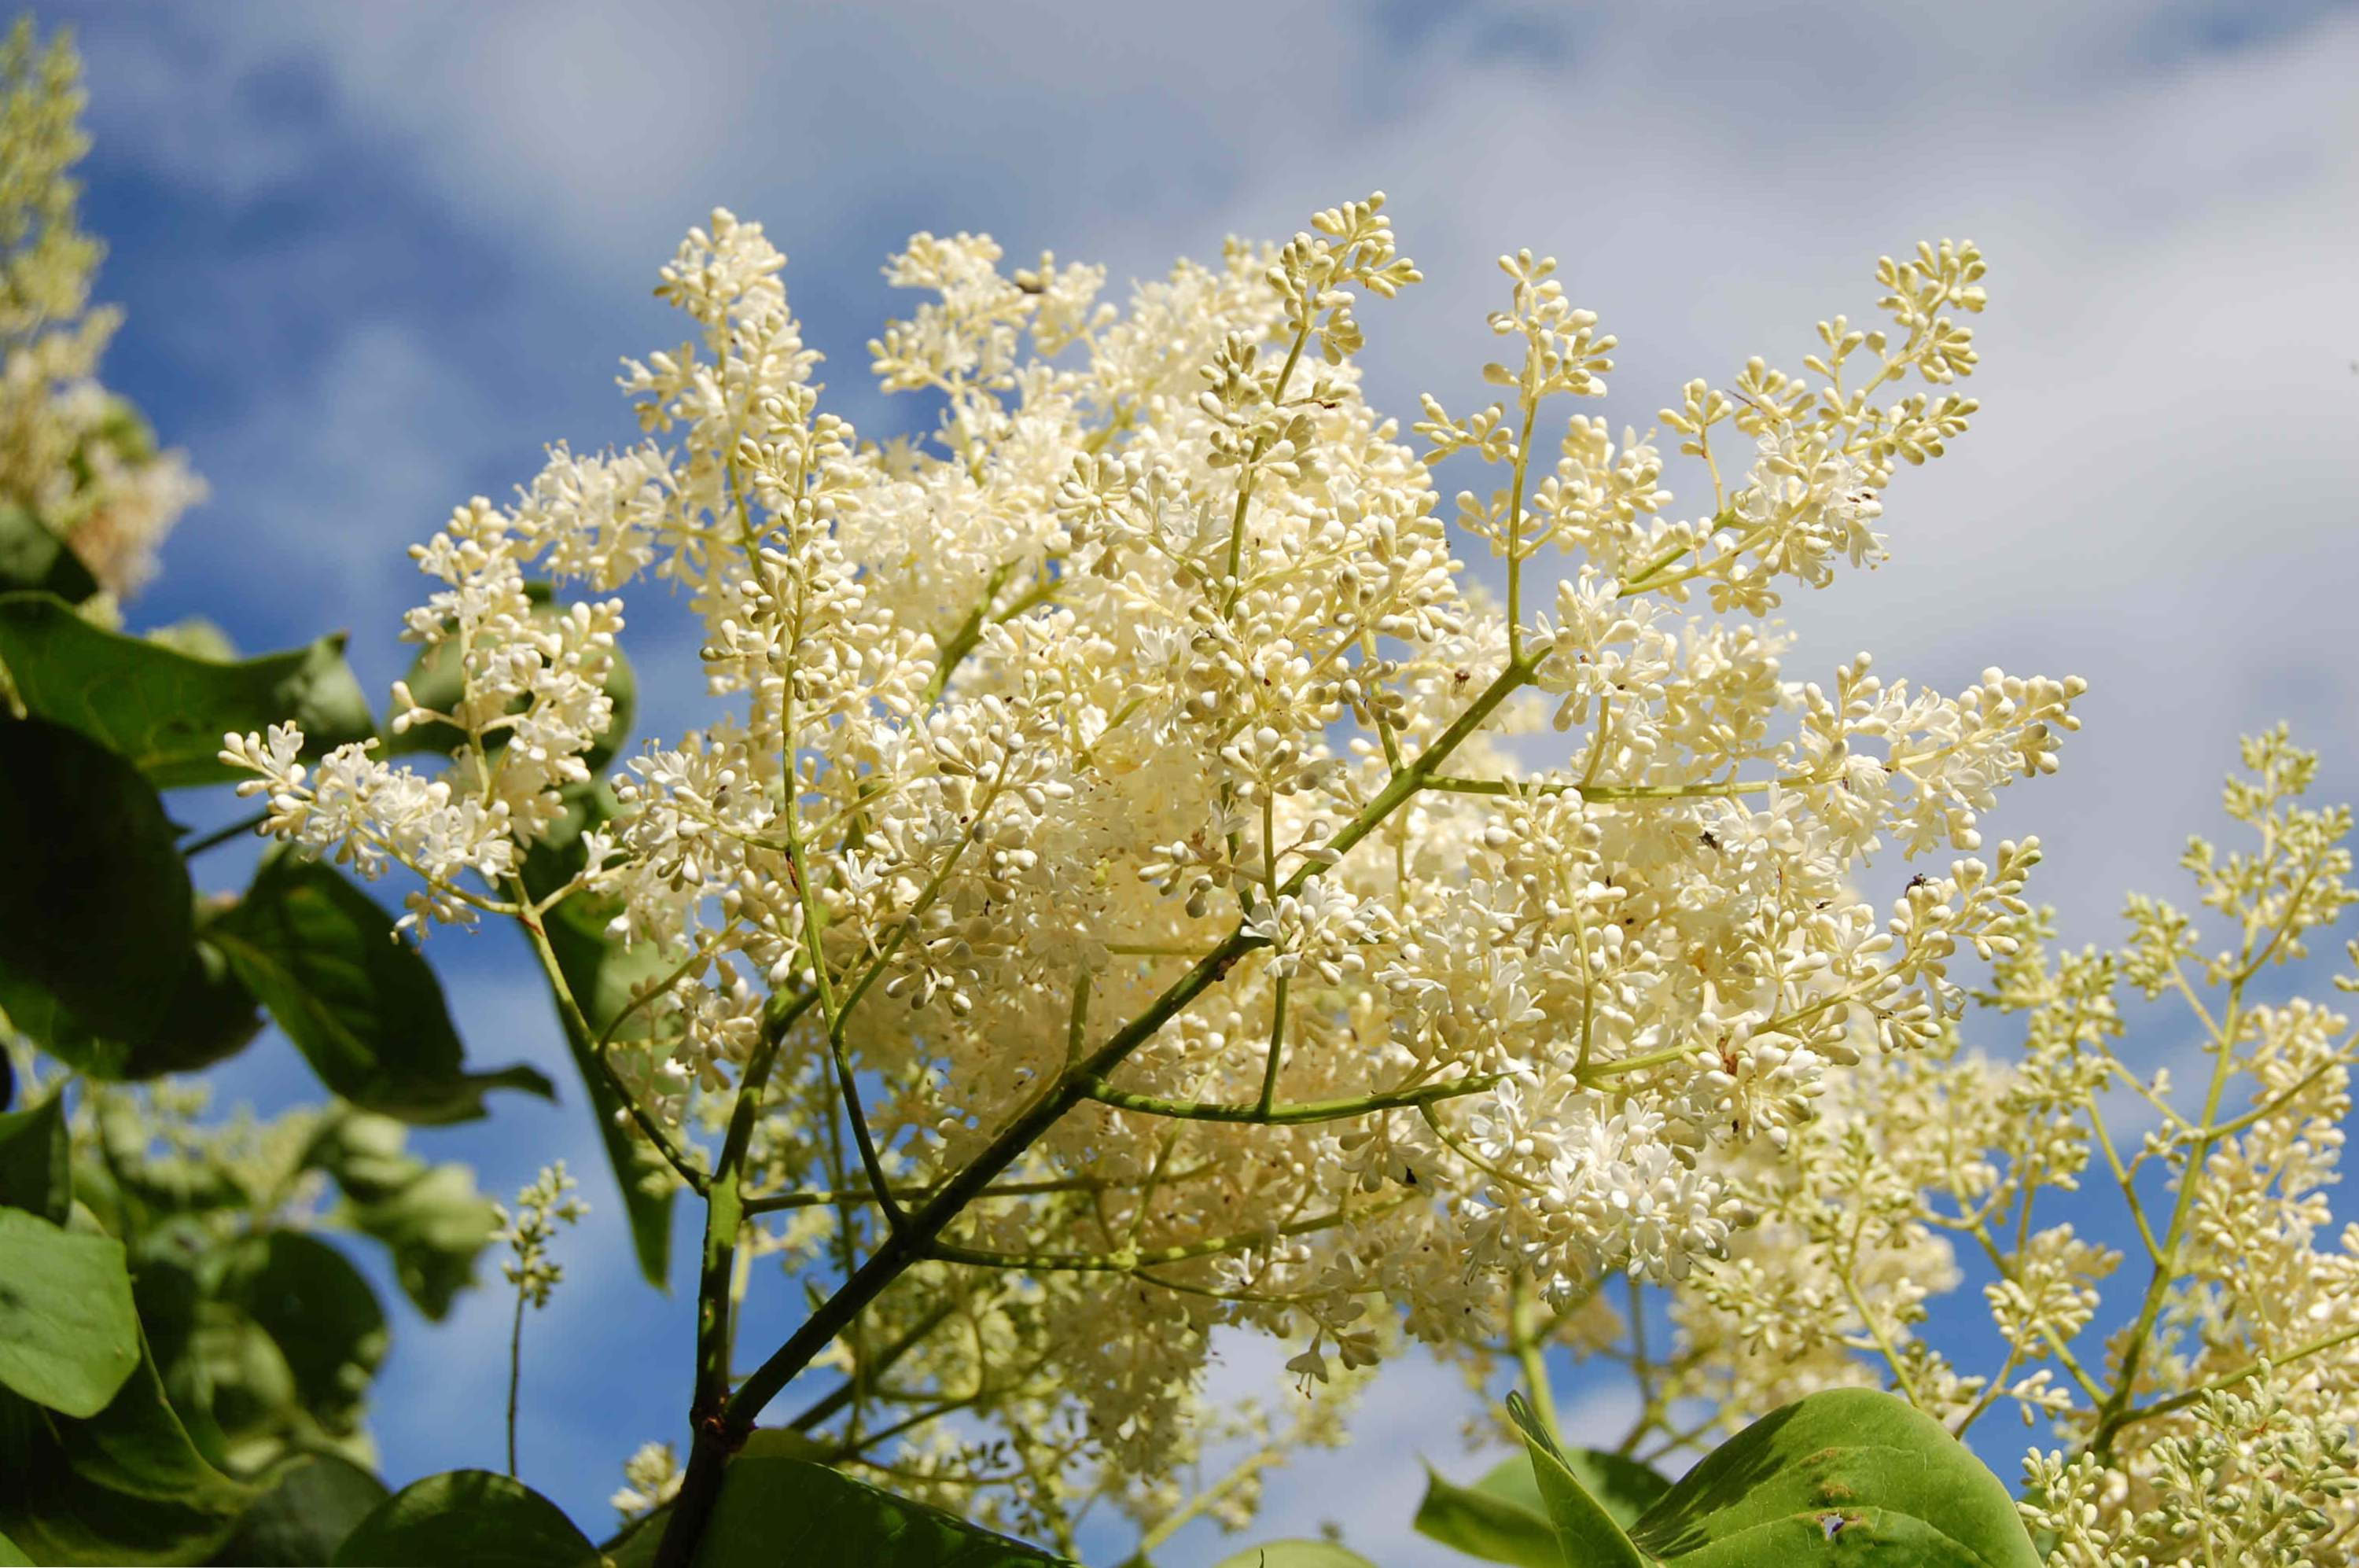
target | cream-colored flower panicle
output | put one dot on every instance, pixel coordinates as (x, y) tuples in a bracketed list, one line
[(1123, 798)]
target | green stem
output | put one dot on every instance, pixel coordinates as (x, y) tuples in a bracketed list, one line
[(515, 1375), (1126, 1262), (570, 1012), (1530, 1355), (2229, 1381), (1264, 1114), (237, 828)]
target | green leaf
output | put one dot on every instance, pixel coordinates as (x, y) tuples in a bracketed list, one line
[(321, 1313), (37, 1160), (1589, 1536), (69, 1334), (95, 908), (162, 710), (430, 1218), (470, 1516), (125, 1486), (601, 973), (1851, 1475), (317, 1501), (1295, 1554), (775, 1511), (362, 1007), (434, 1228), (1502, 1518), (12, 1555), (32, 557), (1626, 1487), (208, 1015), (1482, 1521)]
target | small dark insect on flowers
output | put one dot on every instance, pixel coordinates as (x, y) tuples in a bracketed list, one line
[(1711, 839), (1916, 882)]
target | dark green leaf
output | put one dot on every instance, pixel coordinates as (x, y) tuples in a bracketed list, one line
[(301, 1521), (12, 1556), (33, 558), (125, 1486), (37, 1160), (162, 710), (779, 1512), (236, 1393), (601, 973), (430, 1218), (321, 1311), (69, 1334), (94, 910), (363, 1009), (209, 1016), (1850, 1475), (1588, 1534), (434, 1228), (1295, 1554), (1626, 1487), (170, 1298), (470, 1516)]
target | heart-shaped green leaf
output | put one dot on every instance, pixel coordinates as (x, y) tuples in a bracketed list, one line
[(363, 1009), (163, 710), (1851, 1475), (468, 1517), (69, 1334)]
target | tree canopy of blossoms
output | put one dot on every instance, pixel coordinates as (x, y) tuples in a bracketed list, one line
[(1133, 879)]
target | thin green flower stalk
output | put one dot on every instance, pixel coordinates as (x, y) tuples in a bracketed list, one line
[(544, 1204)]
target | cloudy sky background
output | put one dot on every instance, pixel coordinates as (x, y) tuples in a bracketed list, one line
[(375, 257)]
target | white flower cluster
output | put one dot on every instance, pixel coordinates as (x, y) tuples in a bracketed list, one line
[(79, 461), (1138, 746), (2208, 1384)]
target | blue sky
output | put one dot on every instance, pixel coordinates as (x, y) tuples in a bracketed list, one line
[(374, 257)]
